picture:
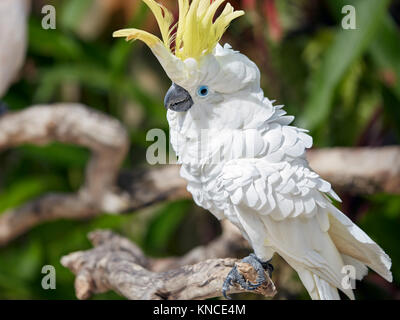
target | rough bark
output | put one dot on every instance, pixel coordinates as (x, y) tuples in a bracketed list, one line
[(117, 264), (359, 170)]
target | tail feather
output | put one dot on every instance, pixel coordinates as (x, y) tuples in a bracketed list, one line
[(318, 288), (361, 268), (354, 243), (325, 290), (318, 254), (312, 253)]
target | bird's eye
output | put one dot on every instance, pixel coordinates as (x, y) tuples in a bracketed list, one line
[(202, 91)]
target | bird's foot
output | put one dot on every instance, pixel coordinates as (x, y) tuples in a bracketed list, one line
[(235, 276), (3, 108)]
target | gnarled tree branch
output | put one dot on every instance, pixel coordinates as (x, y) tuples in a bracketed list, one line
[(68, 123), (360, 170), (119, 265)]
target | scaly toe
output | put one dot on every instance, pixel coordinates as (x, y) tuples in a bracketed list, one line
[(234, 276), (258, 266)]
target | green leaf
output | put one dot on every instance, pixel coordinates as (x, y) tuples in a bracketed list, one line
[(92, 76), (22, 262), (346, 48), (163, 226), (25, 189), (385, 51), (52, 43), (73, 12), (58, 154), (122, 50)]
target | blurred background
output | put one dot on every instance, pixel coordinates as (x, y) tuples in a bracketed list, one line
[(343, 85)]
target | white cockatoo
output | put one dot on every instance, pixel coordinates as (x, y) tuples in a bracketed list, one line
[(244, 162), (13, 40)]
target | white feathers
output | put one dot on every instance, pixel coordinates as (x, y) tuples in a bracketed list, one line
[(282, 190), (325, 290), (352, 241)]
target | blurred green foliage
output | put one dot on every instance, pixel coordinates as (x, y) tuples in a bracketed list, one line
[(343, 85)]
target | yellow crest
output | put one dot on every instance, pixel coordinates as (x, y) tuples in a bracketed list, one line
[(195, 34)]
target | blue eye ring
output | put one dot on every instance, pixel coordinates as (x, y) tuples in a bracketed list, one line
[(203, 91)]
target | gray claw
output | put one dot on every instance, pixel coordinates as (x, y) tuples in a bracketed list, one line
[(256, 264), (235, 276)]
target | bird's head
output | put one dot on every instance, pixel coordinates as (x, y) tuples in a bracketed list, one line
[(203, 72)]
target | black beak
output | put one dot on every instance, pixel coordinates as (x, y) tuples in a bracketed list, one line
[(177, 99)]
